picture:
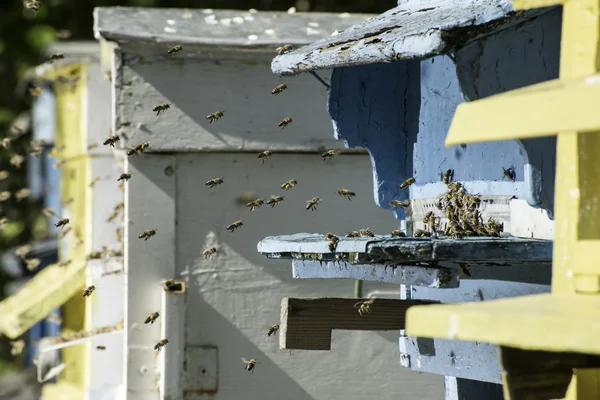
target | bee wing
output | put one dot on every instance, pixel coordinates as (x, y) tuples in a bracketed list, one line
[(245, 360), (356, 305)]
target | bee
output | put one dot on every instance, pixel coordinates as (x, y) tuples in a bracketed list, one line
[(312, 203), (36, 151), (17, 347), (147, 234), (6, 142), (428, 217), (140, 148), (232, 227), (214, 182), (4, 221), (407, 183), (56, 56), (54, 318), (353, 234), (286, 48), (22, 251), (274, 200), (366, 232), (22, 194), (363, 306), (62, 223), (119, 234), (59, 164), (173, 287), (174, 50), (111, 140), (124, 177), (265, 155), (273, 330), (284, 122), (68, 202), (250, 364), (100, 347), (93, 182), (4, 175), (5, 195), (120, 206), (278, 89), (421, 233), (89, 290), (209, 252), (162, 343), (330, 153), (255, 204), (32, 5), (32, 264), (64, 263), (289, 184), (448, 176), (161, 107), (63, 34), (463, 269), (509, 173), (399, 203), (214, 116), (112, 216), (151, 318), (398, 233), (35, 91), (349, 194), (332, 245), (17, 160), (94, 255), (64, 233)]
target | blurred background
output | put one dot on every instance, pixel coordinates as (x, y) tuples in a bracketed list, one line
[(24, 36)]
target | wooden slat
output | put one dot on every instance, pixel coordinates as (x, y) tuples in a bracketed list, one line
[(306, 324)]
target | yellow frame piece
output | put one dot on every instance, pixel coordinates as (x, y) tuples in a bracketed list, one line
[(529, 4)]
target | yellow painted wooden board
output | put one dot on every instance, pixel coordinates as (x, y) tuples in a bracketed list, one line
[(538, 110), (538, 322), (529, 4)]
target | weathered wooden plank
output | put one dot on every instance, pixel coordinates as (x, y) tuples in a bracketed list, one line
[(466, 389), (401, 274), (408, 31), (306, 324), (312, 243)]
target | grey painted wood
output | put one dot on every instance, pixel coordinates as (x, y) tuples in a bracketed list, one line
[(413, 30)]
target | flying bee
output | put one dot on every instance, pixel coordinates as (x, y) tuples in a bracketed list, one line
[(35, 91), (6, 142), (330, 153), (274, 200), (59, 164), (100, 347), (36, 151), (22, 194), (22, 251), (94, 255), (448, 176), (312, 203), (64, 233), (265, 155), (463, 269), (174, 50), (397, 233), (353, 234), (111, 140), (399, 203), (509, 173), (4, 175), (151, 318), (5, 195), (214, 116), (17, 347), (139, 149), (112, 216), (214, 182), (162, 343), (94, 181), (237, 224), (289, 184), (255, 204), (278, 89), (124, 177), (284, 122), (4, 221), (161, 107), (88, 290), (147, 234), (250, 364), (209, 252), (56, 56), (62, 223), (286, 48), (32, 264), (273, 330), (173, 287), (366, 232), (421, 233), (407, 183), (17, 160), (349, 194), (92, 146), (65, 263), (32, 5), (363, 306)]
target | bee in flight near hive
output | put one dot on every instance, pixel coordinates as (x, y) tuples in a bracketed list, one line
[(94, 181), (364, 306), (250, 364), (349, 194), (139, 149), (448, 176), (100, 347), (286, 48), (407, 183), (17, 347), (353, 234), (64, 263), (173, 287), (312, 203), (509, 173), (62, 223), (3, 221), (214, 116), (265, 156), (56, 56), (147, 234), (161, 344), (329, 153), (174, 50), (232, 227), (273, 330), (22, 251), (4, 175), (284, 122), (22, 194), (366, 232), (397, 233), (253, 205), (17, 160), (111, 140), (151, 318), (289, 184), (124, 177), (88, 290), (209, 252), (5, 195), (399, 203), (32, 264), (214, 182), (161, 107), (32, 5), (278, 89), (6, 142), (274, 200)]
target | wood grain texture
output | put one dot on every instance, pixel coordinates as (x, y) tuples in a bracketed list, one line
[(306, 324)]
